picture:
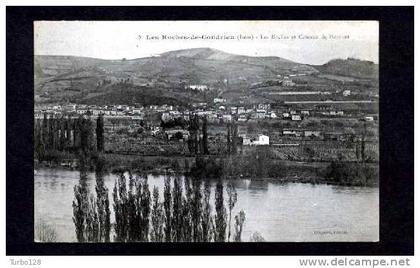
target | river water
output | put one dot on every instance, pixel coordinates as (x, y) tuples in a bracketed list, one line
[(280, 212)]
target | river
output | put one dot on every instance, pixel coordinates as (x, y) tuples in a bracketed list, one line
[(280, 212)]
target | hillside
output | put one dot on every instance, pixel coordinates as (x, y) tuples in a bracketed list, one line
[(163, 78), (350, 67), (79, 79)]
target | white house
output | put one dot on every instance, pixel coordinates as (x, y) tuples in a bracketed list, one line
[(219, 100), (198, 87), (346, 93), (227, 118), (241, 110), (296, 117), (242, 118), (262, 140)]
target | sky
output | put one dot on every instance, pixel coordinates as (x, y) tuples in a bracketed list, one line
[(309, 42)]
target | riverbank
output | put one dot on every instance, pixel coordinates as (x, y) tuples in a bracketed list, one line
[(233, 167)]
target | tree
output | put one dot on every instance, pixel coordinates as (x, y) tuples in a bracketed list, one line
[(233, 197), (100, 133), (363, 145), (186, 219), (239, 223), (229, 139), (196, 209), (206, 214), (69, 127), (45, 131), (104, 213), (177, 220), (63, 133), (39, 146), (81, 204), (167, 205), (178, 135), (144, 209), (205, 136), (234, 139), (158, 218), (220, 217), (120, 209)]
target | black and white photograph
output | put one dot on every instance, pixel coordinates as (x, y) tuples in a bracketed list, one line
[(206, 131)]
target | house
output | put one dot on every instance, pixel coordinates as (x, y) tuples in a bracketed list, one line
[(260, 114), (219, 100), (287, 82), (241, 110), (262, 140), (346, 93), (242, 118), (70, 107), (312, 133), (227, 118), (336, 113), (172, 133), (81, 111), (197, 87), (322, 107), (137, 110), (264, 106), (296, 117), (166, 117), (289, 132), (246, 141)]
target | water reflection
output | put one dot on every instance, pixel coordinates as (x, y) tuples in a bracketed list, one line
[(279, 211), (256, 186)]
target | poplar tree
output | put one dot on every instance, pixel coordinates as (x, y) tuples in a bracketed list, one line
[(167, 205), (102, 202), (206, 214), (220, 217), (177, 202), (144, 210), (100, 133), (232, 198), (196, 208), (158, 218), (205, 136)]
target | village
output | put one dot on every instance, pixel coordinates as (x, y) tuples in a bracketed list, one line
[(313, 130)]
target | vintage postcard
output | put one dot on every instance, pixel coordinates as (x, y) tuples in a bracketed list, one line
[(206, 131)]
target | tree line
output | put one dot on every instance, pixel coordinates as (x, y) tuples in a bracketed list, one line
[(68, 134), (183, 213), (198, 135)]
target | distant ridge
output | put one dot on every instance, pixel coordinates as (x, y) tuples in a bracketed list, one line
[(162, 79), (350, 67)]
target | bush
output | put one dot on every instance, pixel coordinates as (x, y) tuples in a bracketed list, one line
[(44, 232), (355, 174)]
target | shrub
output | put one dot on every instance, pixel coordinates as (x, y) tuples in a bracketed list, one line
[(44, 232)]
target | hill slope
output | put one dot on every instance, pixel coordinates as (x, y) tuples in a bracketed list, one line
[(153, 80), (350, 67)]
